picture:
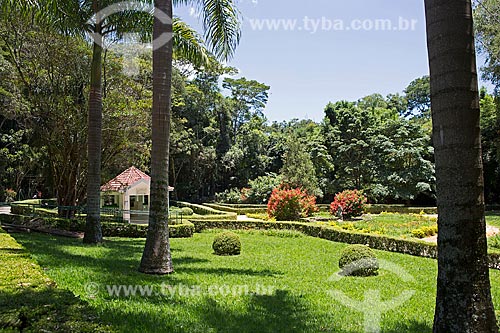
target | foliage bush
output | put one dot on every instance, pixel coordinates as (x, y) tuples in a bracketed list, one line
[(425, 231), (232, 195), (227, 244), (186, 211), (290, 204), (10, 195), (358, 260), (494, 241), (352, 203), (262, 187)]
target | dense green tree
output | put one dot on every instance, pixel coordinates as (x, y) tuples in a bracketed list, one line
[(490, 144), (249, 98), (418, 96), (51, 72), (403, 161), (298, 169), (463, 301), (348, 134), (487, 25)]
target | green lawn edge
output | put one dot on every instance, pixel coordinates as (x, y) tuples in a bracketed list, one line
[(31, 302)]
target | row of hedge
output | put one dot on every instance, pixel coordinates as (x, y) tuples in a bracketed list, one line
[(206, 212), (242, 209), (35, 207), (379, 242), (251, 209), (402, 209), (109, 229)]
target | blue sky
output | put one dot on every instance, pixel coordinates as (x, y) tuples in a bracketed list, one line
[(325, 54)]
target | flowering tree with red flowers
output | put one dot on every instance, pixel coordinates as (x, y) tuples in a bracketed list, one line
[(350, 202), (287, 204)]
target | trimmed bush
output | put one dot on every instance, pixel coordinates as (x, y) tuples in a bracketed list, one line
[(350, 202), (290, 204), (227, 244), (358, 260), (424, 231), (186, 211)]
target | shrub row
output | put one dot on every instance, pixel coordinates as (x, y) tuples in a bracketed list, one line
[(32, 208), (385, 243), (251, 209), (109, 229), (377, 209), (205, 210)]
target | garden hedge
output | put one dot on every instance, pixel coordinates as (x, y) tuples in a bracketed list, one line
[(240, 209), (377, 209), (109, 229), (206, 212), (379, 242)]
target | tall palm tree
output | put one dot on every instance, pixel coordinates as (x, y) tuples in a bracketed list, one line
[(463, 302), (222, 31)]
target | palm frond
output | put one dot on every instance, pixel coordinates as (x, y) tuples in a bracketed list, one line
[(189, 45), (222, 24)]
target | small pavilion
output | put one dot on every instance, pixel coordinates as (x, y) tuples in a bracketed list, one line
[(129, 191)]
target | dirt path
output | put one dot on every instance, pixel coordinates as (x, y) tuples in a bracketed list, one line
[(245, 218), (5, 210)]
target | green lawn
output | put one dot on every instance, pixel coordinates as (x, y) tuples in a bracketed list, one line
[(292, 270), (398, 225), (30, 301), (390, 224)]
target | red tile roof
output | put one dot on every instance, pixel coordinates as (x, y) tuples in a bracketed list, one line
[(124, 180)]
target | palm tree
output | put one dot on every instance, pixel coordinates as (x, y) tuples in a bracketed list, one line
[(463, 302), (222, 31)]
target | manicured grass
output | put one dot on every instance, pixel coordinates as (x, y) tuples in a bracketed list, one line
[(396, 224), (493, 218), (29, 300), (390, 224), (295, 268)]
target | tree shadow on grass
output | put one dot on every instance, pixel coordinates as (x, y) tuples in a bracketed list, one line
[(46, 310), (279, 312), (411, 326), (119, 261)]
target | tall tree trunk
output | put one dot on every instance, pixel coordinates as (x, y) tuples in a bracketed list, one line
[(93, 231), (156, 258), (463, 302)]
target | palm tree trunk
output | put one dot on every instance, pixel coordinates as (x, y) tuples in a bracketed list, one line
[(156, 258), (463, 302), (93, 232)]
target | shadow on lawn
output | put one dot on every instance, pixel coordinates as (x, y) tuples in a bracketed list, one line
[(279, 311), (119, 260), (46, 310), (410, 327)]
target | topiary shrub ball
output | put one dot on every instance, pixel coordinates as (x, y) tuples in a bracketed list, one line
[(358, 260), (227, 244), (186, 211)]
